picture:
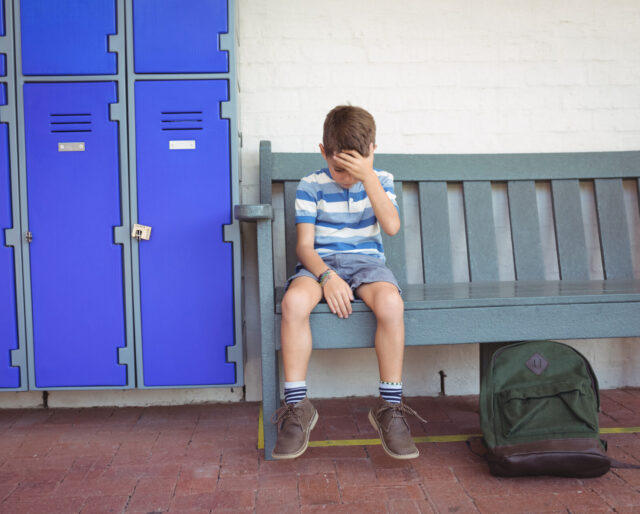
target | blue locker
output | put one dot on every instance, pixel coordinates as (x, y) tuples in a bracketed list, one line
[(67, 37), (3, 57), (73, 194), (184, 194), (179, 36), (9, 376)]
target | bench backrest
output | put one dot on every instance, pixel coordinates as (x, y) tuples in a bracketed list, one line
[(432, 174)]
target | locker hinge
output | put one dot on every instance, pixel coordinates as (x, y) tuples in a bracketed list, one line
[(29, 237)]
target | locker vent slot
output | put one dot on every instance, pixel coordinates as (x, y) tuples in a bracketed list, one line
[(78, 122), (181, 120)]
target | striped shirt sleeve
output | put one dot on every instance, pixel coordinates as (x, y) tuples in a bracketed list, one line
[(306, 202), (386, 179)]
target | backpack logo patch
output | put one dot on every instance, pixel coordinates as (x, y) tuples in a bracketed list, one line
[(537, 363)]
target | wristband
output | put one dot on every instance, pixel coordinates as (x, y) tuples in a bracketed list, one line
[(324, 276)]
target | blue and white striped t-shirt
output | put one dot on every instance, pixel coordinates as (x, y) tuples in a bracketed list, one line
[(344, 219)]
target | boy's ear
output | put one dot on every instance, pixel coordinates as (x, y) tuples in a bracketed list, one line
[(322, 151)]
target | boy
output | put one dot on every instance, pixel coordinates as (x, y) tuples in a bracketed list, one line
[(339, 213)]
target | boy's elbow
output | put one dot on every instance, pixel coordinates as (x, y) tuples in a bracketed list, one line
[(392, 228), (302, 250)]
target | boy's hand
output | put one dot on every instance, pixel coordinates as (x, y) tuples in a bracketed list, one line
[(338, 295), (359, 167)]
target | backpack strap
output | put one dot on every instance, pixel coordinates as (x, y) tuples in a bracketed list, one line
[(477, 454), (622, 465), (616, 463)]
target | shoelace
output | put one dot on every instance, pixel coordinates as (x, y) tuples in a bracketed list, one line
[(285, 412), (399, 410)]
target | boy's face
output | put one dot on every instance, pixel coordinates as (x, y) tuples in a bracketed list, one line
[(341, 176)]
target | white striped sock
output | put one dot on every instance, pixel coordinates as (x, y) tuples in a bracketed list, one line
[(295, 391), (391, 392)]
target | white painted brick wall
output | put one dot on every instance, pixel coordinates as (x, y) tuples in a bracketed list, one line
[(442, 76)]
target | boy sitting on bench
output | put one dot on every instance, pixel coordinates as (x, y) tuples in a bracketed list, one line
[(340, 211)]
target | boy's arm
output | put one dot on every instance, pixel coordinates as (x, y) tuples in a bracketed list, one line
[(361, 168), (336, 291)]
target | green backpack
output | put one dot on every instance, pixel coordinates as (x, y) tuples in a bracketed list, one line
[(539, 404)]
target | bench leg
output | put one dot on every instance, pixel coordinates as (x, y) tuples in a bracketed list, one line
[(270, 401), (270, 376)]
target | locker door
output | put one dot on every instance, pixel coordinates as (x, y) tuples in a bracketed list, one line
[(73, 206), (9, 376), (67, 37), (3, 57), (183, 193), (174, 36)]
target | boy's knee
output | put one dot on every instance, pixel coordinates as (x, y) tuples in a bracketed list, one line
[(389, 305), (296, 304)]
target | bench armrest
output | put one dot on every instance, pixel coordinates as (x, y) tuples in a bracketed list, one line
[(247, 212)]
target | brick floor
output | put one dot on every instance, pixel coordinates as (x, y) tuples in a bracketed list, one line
[(205, 459)]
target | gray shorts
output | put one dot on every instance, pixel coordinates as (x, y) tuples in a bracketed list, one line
[(355, 269)]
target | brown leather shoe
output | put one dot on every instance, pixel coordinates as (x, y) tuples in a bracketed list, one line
[(389, 420), (295, 423)]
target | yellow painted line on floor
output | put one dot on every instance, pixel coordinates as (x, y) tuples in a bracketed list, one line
[(621, 430), (372, 442), (261, 430), (422, 439)]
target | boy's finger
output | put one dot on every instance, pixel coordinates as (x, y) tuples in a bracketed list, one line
[(341, 160), (336, 306), (347, 157), (342, 305), (331, 305), (347, 304)]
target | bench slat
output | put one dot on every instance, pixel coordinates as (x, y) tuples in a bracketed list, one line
[(495, 167), (462, 295), (436, 232), (394, 246), (481, 233), (572, 248), (290, 225), (614, 232), (525, 230), (483, 324)]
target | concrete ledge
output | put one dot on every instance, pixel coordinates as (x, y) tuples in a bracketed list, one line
[(124, 398)]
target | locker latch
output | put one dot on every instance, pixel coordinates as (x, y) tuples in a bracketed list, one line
[(141, 232), (29, 237)]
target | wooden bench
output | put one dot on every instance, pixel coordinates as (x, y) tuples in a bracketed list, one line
[(484, 309)]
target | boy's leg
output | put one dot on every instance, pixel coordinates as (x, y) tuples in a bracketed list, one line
[(297, 417), (386, 303), (301, 297), (388, 415)]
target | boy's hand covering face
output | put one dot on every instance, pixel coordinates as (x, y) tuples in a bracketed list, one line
[(359, 167)]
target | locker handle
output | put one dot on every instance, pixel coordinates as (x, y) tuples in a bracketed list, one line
[(141, 232)]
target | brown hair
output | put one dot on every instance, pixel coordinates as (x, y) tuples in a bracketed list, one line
[(348, 128)]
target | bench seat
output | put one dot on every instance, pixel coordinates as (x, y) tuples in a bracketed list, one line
[(510, 311)]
